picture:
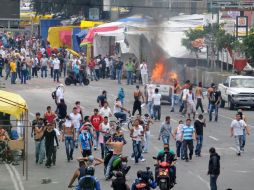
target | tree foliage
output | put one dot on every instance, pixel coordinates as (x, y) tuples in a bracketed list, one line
[(248, 46)]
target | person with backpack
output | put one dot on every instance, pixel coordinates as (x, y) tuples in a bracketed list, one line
[(214, 99), (137, 102), (191, 108)]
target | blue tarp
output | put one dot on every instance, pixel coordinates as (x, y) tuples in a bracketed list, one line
[(45, 25), (82, 34), (75, 40), (132, 19)]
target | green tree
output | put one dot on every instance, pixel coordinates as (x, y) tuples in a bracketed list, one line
[(248, 46)]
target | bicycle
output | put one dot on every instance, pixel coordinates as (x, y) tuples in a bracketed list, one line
[(119, 122)]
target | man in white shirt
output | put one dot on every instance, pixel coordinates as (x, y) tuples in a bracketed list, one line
[(236, 130), (149, 99), (59, 93), (156, 104), (105, 111), (76, 119), (144, 72), (56, 67)]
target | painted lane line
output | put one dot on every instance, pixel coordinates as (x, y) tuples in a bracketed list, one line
[(201, 179), (18, 177), (232, 148), (12, 177), (213, 138)]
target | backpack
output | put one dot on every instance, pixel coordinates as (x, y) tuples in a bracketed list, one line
[(87, 183), (53, 94)]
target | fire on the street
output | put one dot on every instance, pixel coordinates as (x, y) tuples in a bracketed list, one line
[(161, 75)]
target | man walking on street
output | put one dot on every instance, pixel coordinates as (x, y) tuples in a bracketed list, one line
[(188, 134), (156, 104), (119, 68), (199, 124), (129, 71), (144, 72), (213, 168), (199, 97), (165, 131), (214, 99), (137, 102), (236, 130), (56, 67), (68, 137)]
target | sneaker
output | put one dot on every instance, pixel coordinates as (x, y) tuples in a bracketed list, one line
[(238, 154), (132, 158), (142, 160), (95, 148)]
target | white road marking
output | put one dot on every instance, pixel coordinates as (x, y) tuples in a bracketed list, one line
[(201, 179), (18, 177), (12, 177), (213, 138), (241, 171), (232, 148)]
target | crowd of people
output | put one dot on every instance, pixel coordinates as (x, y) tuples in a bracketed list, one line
[(88, 133)]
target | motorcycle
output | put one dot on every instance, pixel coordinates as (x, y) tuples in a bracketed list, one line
[(144, 180), (118, 165), (71, 79), (163, 176)]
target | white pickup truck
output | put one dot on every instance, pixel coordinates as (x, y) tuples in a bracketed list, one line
[(164, 90), (237, 91)]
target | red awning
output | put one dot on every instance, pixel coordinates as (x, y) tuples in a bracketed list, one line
[(89, 37), (66, 37)]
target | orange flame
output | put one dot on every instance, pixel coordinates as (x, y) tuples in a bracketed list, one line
[(160, 75)]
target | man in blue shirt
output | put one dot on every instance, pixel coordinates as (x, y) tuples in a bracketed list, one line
[(188, 134), (85, 143)]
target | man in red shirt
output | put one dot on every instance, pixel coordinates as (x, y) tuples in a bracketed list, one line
[(49, 115), (96, 120), (91, 66)]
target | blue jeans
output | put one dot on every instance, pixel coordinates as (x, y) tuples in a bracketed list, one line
[(69, 146), (239, 143), (119, 75), (211, 110), (13, 77), (23, 76), (179, 149), (97, 74), (56, 75), (96, 140), (44, 70), (137, 149), (244, 139), (213, 182), (147, 141), (199, 145), (40, 151), (129, 77), (108, 169), (93, 75), (165, 139), (121, 116), (150, 108)]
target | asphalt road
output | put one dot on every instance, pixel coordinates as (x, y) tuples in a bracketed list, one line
[(236, 172)]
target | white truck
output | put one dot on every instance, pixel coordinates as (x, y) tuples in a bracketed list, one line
[(164, 90), (237, 91)]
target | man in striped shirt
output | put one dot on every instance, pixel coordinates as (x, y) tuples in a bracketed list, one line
[(188, 135)]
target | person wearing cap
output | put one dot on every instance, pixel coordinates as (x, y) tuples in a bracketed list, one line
[(215, 100), (44, 66)]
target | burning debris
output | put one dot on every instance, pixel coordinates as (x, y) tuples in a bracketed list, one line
[(161, 75)]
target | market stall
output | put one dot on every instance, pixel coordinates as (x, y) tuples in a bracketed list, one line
[(14, 105)]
